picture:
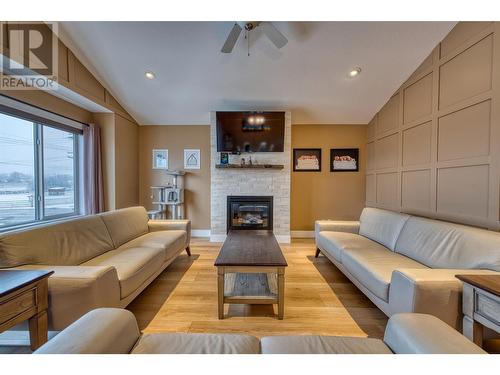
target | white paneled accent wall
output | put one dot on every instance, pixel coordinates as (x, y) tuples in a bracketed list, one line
[(272, 182), (434, 148)]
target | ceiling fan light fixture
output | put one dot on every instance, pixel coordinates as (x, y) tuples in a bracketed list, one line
[(269, 30), (150, 75), (355, 72)]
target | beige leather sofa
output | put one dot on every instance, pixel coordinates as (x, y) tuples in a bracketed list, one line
[(102, 260), (115, 331), (407, 263)]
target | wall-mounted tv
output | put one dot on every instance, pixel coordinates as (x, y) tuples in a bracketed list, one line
[(250, 131)]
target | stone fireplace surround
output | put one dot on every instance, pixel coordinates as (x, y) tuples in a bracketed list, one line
[(265, 182)]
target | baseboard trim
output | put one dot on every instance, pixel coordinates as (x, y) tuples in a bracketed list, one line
[(200, 232), (217, 237), (283, 238), (302, 233)]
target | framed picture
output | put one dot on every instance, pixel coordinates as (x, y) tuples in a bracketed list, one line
[(160, 159), (307, 160), (344, 160), (224, 158), (192, 159)]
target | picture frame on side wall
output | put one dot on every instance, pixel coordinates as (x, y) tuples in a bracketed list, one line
[(192, 159), (344, 159), (307, 160), (160, 159)]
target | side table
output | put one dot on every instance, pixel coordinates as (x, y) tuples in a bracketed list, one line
[(24, 296), (480, 305)]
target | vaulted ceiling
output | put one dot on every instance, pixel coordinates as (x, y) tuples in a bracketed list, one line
[(308, 76)]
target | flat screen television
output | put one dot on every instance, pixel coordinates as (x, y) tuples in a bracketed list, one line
[(250, 131)]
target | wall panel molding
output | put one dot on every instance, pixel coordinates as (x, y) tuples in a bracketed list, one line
[(447, 137)]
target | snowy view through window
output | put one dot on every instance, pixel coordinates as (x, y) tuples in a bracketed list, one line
[(22, 175)]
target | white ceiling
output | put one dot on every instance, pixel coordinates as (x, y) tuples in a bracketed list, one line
[(309, 76)]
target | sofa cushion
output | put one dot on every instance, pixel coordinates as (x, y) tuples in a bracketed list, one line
[(373, 267), (382, 226), (133, 265), (196, 343), (126, 224), (322, 345), (439, 244), (66, 243), (334, 243), (169, 241)]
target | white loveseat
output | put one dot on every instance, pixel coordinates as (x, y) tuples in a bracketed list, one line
[(102, 260), (407, 263)]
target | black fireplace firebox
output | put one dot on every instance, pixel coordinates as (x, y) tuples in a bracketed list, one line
[(249, 212)]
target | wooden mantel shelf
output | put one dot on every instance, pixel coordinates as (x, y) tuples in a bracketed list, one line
[(249, 166)]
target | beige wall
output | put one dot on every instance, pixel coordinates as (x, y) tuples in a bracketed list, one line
[(434, 148), (126, 162), (120, 154), (73, 75), (197, 182), (50, 103), (313, 195), (325, 194)]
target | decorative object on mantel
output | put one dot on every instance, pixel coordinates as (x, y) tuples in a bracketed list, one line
[(160, 159), (224, 158), (344, 160), (307, 160), (192, 159), (248, 166), (169, 198)]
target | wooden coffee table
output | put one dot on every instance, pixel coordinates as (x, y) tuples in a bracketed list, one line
[(24, 296), (251, 270)]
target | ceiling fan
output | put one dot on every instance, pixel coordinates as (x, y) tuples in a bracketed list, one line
[(274, 35)]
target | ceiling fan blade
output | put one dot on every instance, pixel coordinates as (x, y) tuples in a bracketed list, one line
[(274, 35), (231, 39)]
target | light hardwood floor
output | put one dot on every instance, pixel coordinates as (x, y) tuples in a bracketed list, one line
[(319, 299)]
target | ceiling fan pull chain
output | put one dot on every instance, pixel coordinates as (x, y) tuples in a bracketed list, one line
[(248, 43)]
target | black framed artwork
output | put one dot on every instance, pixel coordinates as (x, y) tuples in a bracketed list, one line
[(307, 160), (344, 159)]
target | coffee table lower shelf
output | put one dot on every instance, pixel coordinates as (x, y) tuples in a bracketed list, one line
[(251, 285)]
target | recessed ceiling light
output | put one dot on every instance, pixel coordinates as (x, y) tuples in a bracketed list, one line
[(354, 72), (150, 75)]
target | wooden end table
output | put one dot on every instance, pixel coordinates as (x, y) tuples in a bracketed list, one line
[(480, 305), (250, 259), (24, 296)]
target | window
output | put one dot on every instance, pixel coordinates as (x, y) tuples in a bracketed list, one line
[(39, 172)]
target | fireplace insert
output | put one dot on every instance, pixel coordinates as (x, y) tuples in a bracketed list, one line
[(249, 212)]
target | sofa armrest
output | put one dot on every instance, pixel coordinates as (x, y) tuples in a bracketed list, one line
[(75, 290), (425, 334), (101, 331), (430, 291), (157, 225), (336, 226)]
